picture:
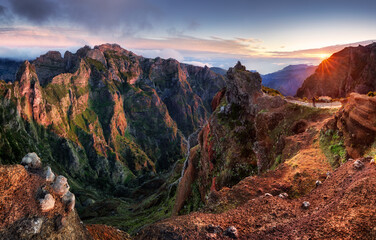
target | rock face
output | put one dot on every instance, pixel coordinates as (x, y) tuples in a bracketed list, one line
[(248, 133), (289, 79), (243, 87), (355, 121), (350, 70), (105, 115)]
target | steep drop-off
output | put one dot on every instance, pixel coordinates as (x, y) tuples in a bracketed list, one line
[(109, 120)]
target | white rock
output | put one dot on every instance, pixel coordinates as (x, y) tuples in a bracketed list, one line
[(283, 195), (372, 161), (268, 195), (61, 186), (305, 205), (31, 160), (69, 200), (50, 176), (47, 203), (358, 165), (318, 183)]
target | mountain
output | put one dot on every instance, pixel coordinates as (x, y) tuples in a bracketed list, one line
[(8, 69), (164, 150), (218, 70), (107, 119), (288, 79), (351, 70), (264, 168)]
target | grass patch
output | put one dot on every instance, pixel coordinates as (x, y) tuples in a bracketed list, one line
[(333, 147)]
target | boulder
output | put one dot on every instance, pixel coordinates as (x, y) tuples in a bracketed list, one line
[(305, 205), (358, 165), (29, 227), (50, 176), (61, 186), (32, 161), (47, 203), (318, 183), (231, 232), (69, 200), (283, 195)]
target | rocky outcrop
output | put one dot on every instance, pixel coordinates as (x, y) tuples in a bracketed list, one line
[(289, 79), (30, 209), (349, 70), (243, 87), (356, 123), (237, 140)]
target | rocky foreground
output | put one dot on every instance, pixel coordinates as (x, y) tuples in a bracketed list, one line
[(340, 207), (36, 204)]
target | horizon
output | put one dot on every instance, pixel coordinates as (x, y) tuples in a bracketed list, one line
[(265, 37)]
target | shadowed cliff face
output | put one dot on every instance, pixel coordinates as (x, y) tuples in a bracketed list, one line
[(104, 116), (351, 70)]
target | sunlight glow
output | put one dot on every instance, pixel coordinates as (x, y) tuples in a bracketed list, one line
[(324, 55)]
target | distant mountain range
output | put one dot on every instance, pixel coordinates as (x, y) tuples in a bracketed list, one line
[(218, 70), (288, 79)]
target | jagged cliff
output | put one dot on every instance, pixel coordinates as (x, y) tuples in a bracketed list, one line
[(248, 133), (352, 69), (109, 120), (264, 168)]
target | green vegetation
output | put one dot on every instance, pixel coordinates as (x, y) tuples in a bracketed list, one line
[(96, 64), (334, 149), (194, 202), (271, 91)]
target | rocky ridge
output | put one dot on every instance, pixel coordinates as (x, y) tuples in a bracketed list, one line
[(349, 70), (249, 132)]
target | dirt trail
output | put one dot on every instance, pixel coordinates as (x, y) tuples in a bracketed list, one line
[(336, 104)]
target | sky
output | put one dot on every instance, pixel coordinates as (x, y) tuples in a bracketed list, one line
[(265, 35)]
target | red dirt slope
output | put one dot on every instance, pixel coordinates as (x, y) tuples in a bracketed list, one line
[(341, 208)]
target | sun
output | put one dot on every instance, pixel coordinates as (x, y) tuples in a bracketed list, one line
[(324, 55)]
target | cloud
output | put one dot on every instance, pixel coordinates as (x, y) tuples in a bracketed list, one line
[(118, 17), (317, 52), (36, 11), (188, 43), (198, 63), (162, 53), (6, 18)]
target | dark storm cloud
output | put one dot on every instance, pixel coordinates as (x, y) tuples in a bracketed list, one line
[(117, 16), (2, 10), (36, 11), (5, 17)]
